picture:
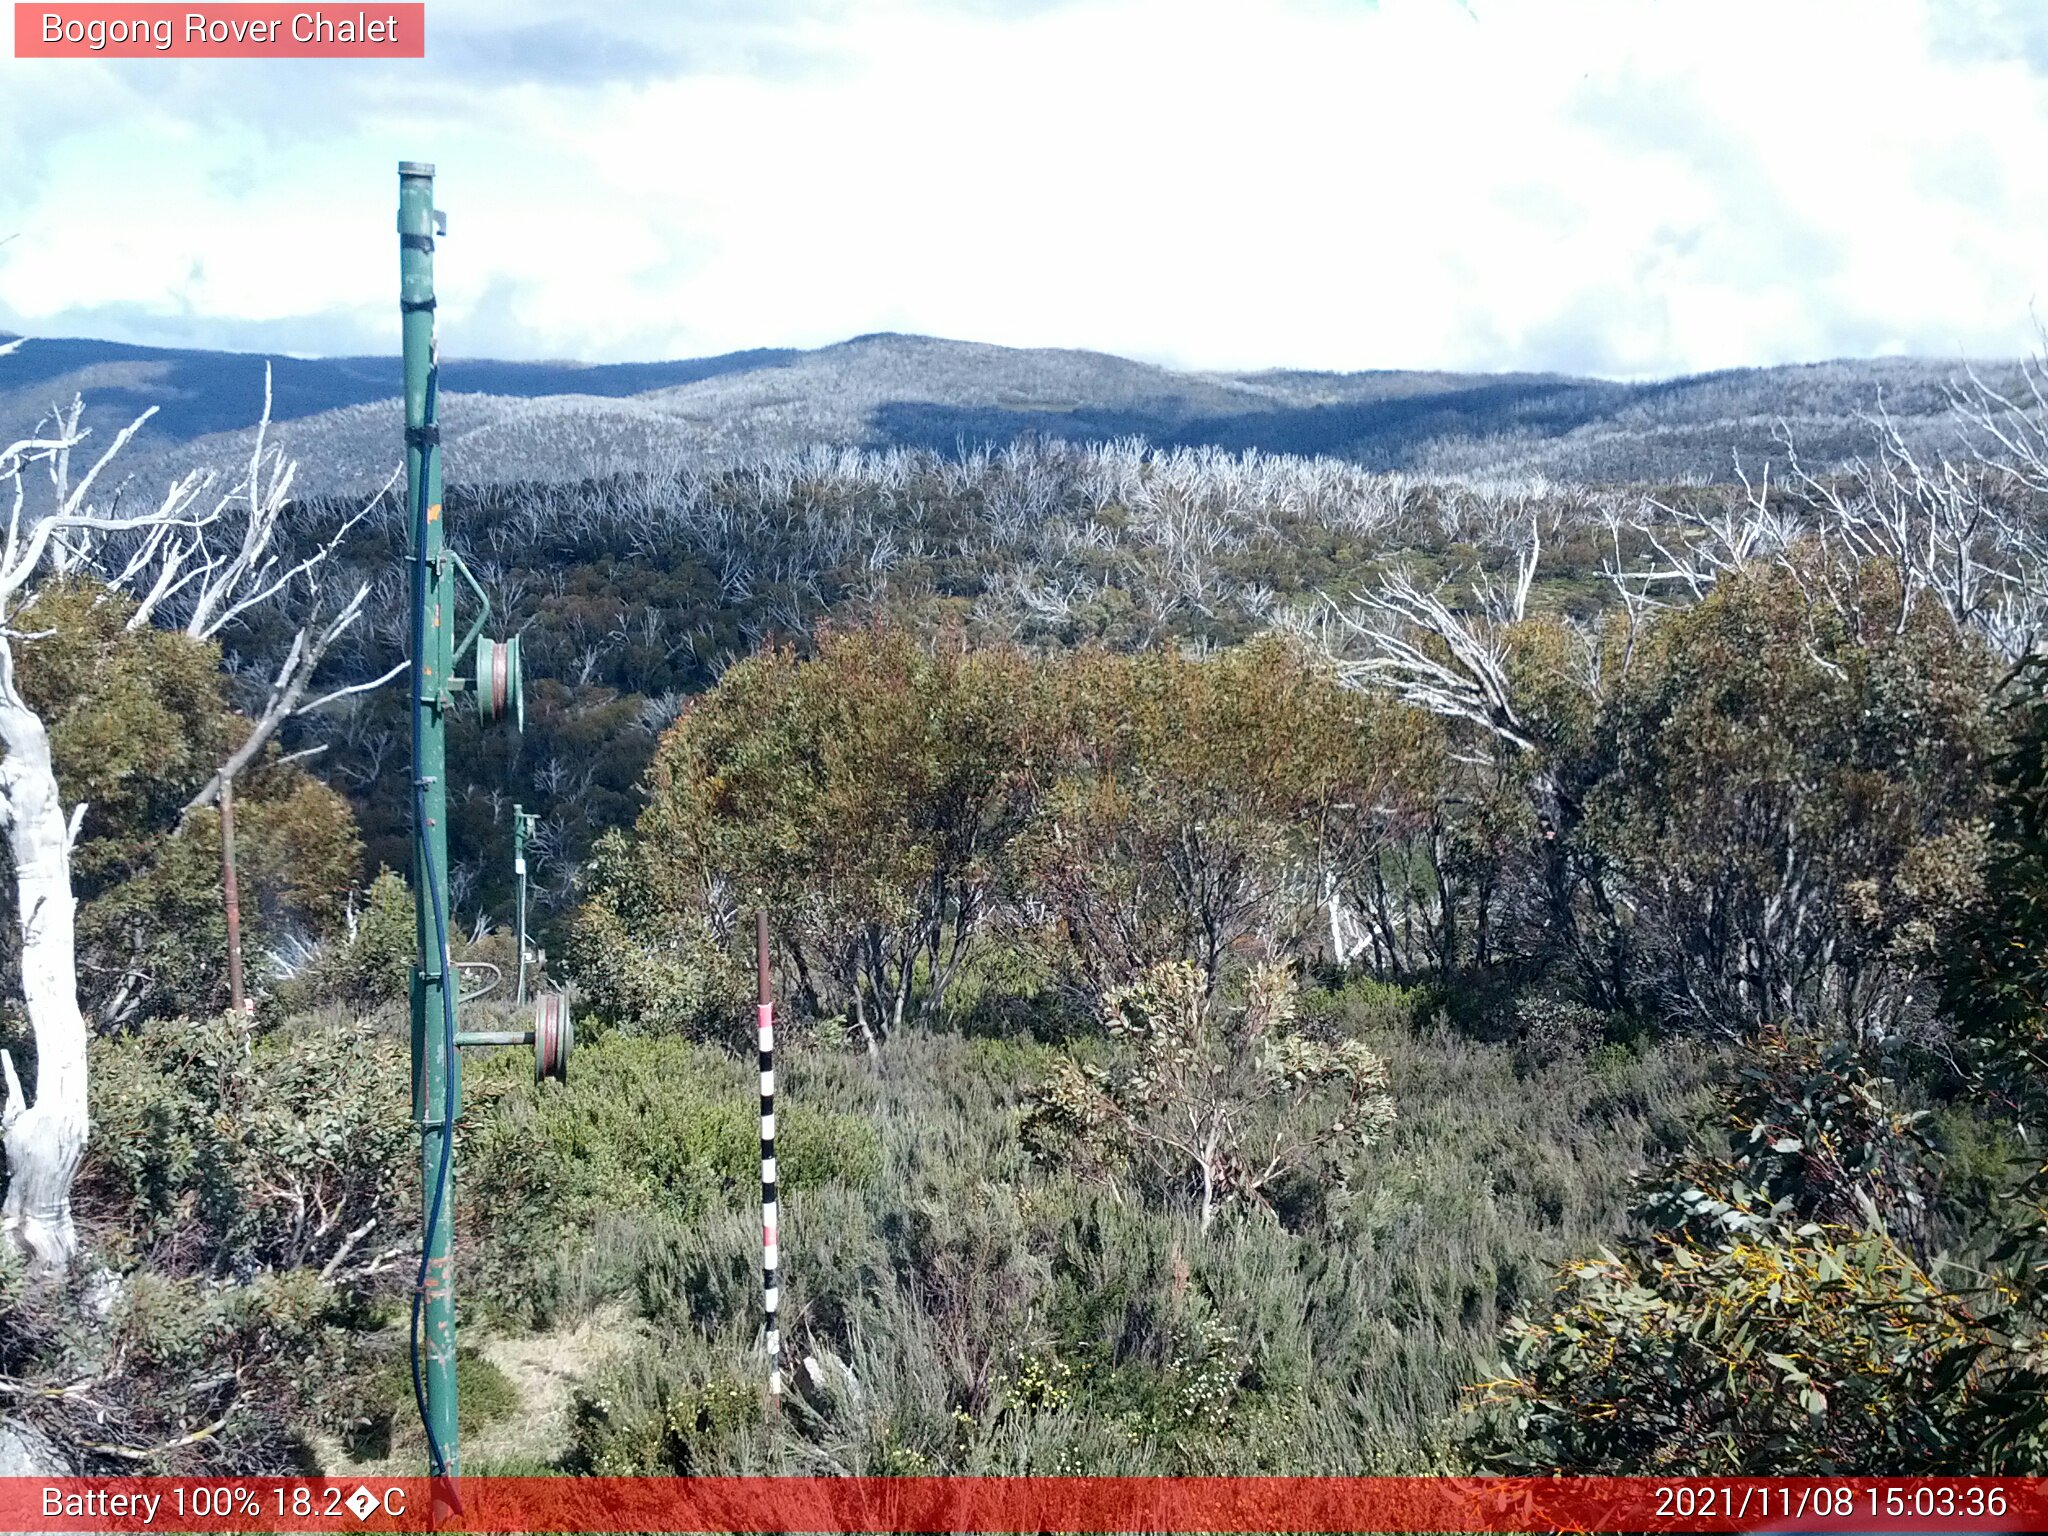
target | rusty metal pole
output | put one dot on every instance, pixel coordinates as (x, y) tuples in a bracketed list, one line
[(231, 892)]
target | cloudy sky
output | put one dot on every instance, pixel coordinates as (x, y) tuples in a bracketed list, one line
[(1621, 187)]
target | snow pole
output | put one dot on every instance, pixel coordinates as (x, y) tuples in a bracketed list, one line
[(771, 1244)]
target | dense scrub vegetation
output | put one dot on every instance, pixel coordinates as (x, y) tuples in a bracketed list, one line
[(1251, 1004), (636, 593)]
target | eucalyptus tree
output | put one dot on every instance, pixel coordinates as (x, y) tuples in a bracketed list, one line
[(867, 797), (1753, 775)]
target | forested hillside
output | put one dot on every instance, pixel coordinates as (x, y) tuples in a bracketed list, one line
[(1286, 967)]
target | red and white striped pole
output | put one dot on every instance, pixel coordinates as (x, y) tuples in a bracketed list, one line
[(771, 1246)]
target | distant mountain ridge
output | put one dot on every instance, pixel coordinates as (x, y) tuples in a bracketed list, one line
[(563, 421), (204, 392)]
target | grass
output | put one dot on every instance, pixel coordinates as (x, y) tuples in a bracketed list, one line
[(386, 1428), (953, 1306)]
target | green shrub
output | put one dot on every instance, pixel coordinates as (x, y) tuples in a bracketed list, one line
[(1212, 1100), (1788, 1350), (1551, 1029), (1609, 1062), (1361, 1006), (385, 1412), (1980, 1159), (679, 981), (1996, 965), (486, 1393), (216, 1149), (651, 1129), (1018, 985), (373, 967), (644, 1418), (1777, 1317)]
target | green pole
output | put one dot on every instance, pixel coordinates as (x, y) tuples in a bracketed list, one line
[(436, 1074), (519, 825)]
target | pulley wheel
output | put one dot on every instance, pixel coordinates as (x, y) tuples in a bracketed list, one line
[(554, 1037), (500, 691)]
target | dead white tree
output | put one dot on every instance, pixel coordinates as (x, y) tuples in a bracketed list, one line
[(1961, 531), (45, 1139), (204, 575), (208, 583), (1449, 654), (210, 559), (1449, 661)]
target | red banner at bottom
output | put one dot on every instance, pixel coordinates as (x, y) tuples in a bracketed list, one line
[(1025, 1504)]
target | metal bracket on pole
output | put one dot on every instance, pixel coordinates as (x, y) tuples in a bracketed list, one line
[(483, 615)]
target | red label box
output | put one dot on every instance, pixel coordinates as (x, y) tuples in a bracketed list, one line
[(372, 30)]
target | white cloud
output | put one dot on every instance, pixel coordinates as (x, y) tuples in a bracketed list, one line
[(1622, 186)]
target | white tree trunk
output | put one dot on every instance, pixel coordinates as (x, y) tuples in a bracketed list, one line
[(46, 1139), (1209, 1174), (1338, 952), (860, 1014)]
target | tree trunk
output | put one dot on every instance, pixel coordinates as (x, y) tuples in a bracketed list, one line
[(232, 898), (46, 1139), (901, 1001), (1209, 1177), (860, 1014), (809, 989)]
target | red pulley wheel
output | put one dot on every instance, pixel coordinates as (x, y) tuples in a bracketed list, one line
[(554, 1036), (499, 694)]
